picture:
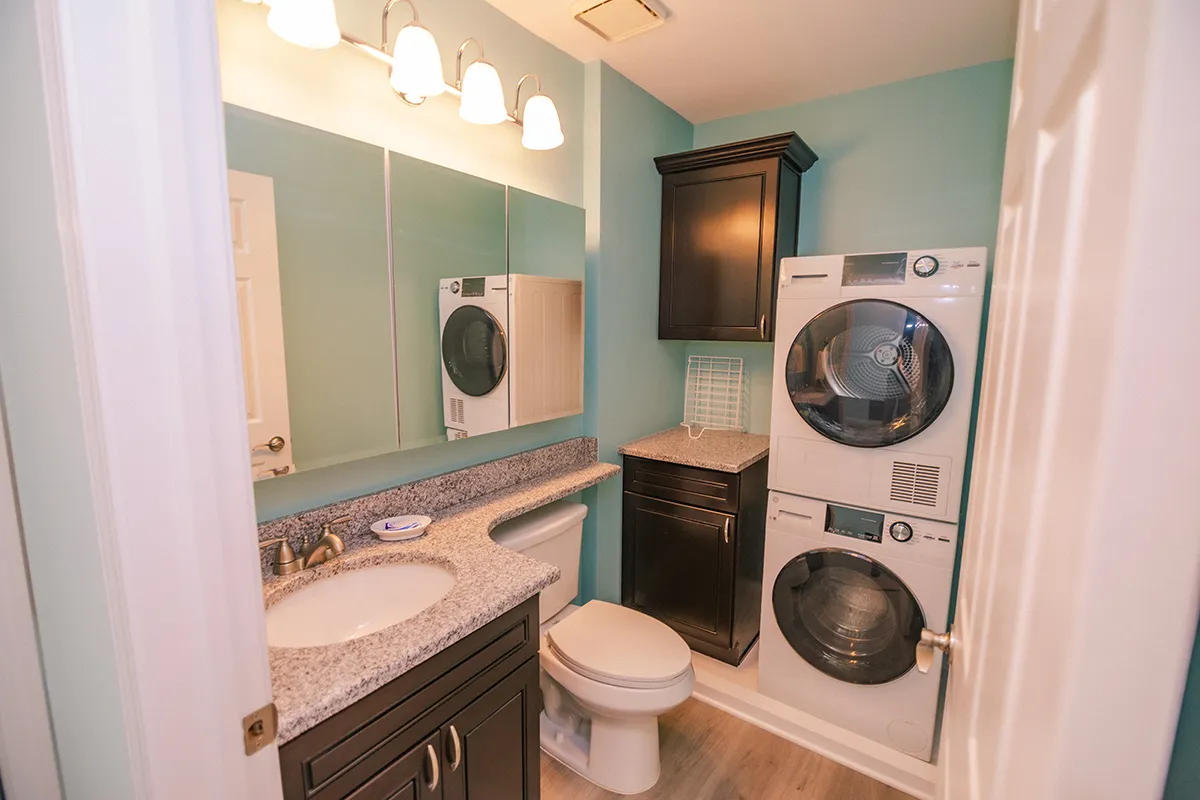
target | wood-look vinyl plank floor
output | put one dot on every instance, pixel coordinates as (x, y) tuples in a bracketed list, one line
[(710, 755)]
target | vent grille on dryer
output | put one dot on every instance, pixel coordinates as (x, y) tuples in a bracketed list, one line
[(456, 410), (916, 484), (458, 435)]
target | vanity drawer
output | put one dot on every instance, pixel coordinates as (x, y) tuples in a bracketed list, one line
[(704, 488), (345, 751)]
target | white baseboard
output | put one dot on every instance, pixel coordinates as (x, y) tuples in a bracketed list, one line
[(734, 690)]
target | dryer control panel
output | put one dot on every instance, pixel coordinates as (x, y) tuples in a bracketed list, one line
[(876, 532)]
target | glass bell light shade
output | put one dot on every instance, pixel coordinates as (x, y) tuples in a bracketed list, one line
[(416, 63), (543, 131), (308, 23), (482, 95)]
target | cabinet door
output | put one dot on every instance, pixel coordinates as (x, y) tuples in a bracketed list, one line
[(416, 775), (677, 565), (491, 748), (718, 252)]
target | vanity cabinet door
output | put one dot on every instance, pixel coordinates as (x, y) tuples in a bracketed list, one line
[(490, 749), (416, 775), (677, 565)]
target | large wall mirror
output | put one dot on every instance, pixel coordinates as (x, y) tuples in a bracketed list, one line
[(387, 303)]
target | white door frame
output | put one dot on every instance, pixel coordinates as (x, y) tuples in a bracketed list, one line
[(138, 148), (28, 765)]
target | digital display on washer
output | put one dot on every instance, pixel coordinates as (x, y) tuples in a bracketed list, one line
[(854, 522), (874, 269), (473, 287)]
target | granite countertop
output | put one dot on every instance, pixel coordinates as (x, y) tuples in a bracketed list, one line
[(312, 684), (724, 451)]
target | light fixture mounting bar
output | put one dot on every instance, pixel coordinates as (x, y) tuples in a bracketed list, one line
[(381, 56)]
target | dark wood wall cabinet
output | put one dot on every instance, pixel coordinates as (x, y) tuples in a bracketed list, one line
[(729, 214), (461, 726), (692, 551)]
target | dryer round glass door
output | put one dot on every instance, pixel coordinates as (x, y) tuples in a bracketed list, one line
[(848, 615), (869, 373), (474, 350)]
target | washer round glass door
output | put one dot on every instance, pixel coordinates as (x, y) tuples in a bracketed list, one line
[(474, 350), (848, 615), (869, 373)]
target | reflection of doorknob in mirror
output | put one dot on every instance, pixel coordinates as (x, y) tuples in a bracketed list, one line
[(931, 641), (275, 444)]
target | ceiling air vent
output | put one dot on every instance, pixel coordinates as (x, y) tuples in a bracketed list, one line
[(915, 483), (615, 20)]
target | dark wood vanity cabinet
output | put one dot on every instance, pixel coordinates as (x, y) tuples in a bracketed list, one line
[(692, 551), (462, 725), (729, 214)]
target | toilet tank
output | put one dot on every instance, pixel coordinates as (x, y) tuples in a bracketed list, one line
[(553, 534)]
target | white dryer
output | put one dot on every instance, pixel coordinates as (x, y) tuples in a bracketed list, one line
[(846, 592), (475, 354), (875, 359)]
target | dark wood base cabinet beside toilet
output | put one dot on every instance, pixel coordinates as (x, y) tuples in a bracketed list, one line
[(461, 726), (692, 551)]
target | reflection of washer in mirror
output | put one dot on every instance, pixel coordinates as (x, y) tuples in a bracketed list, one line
[(869, 373)]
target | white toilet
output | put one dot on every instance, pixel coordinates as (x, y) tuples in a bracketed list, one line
[(608, 671)]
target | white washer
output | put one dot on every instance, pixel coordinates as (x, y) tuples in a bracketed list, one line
[(475, 354), (875, 360), (846, 592)]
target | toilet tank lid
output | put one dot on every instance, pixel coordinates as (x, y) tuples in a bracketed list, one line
[(537, 526)]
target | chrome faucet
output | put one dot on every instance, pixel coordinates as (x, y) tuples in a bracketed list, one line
[(328, 547)]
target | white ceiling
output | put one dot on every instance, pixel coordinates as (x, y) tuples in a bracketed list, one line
[(720, 58)]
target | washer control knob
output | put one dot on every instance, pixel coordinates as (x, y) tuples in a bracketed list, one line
[(925, 266), (901, 531)]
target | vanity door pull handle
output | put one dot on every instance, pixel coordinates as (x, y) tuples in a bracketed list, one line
[(762, 327), (431, 757), (727, 521), (454, 740)]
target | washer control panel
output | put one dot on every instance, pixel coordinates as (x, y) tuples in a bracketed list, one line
[(864, 530)]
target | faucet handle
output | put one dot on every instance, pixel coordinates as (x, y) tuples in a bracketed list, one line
[(286, 562), (328, 526)]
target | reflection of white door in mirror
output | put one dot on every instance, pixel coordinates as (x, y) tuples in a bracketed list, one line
[(260, 316)]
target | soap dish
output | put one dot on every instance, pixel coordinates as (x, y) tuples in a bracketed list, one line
[(401, 529)]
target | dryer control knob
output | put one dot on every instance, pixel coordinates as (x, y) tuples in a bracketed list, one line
[(901, 531), (925, 266)]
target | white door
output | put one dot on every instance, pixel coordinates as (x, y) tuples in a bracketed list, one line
[(260, 314), (1078, 593)]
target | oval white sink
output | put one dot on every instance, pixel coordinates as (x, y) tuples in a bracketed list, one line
[(353, 604)]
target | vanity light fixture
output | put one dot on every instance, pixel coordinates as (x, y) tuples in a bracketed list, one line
[(415, 68), (482, 101), (416, 71), (308, 23), (542, 129)]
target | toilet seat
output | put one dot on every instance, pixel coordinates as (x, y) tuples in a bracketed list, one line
[(617, 646)]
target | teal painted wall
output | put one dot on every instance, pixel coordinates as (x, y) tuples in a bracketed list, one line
[(1183, 779), (909, 164), (633, 382)]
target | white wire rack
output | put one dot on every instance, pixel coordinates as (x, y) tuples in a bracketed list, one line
[(715, 398)]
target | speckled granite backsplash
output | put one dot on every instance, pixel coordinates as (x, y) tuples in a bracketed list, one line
[(426, 496)]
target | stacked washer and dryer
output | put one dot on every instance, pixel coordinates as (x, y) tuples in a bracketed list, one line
[(875, 363)]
